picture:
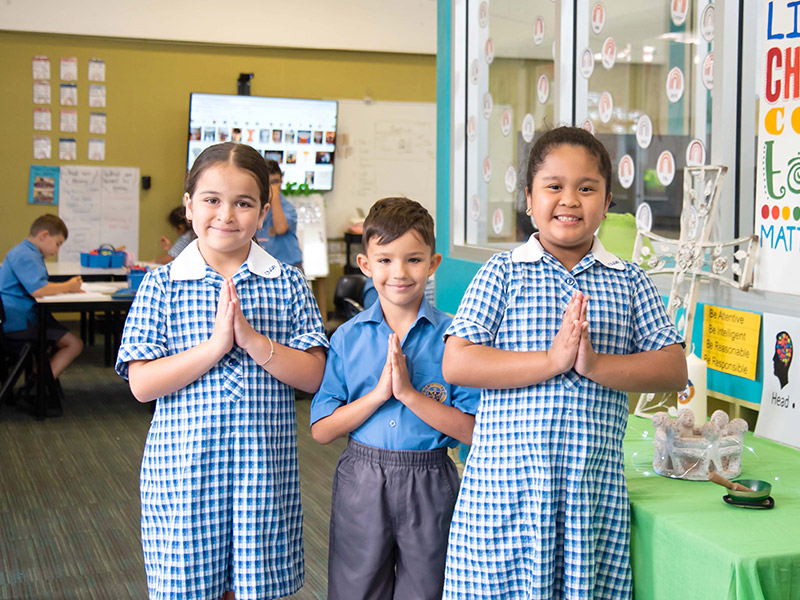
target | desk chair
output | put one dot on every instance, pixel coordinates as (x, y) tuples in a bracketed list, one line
[(347, 298), (16, 356)]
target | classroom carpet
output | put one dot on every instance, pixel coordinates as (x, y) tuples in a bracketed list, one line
[(69, 493)]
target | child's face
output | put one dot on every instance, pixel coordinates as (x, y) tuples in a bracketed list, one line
[(225, 209), (49, 243), (568, 201), (399, 269)]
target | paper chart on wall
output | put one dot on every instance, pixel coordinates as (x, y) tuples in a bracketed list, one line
[(100, 205), (382, 149)]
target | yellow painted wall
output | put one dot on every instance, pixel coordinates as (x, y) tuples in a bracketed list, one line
[(147, 88)]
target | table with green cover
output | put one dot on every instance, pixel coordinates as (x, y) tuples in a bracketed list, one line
[(687, 543)]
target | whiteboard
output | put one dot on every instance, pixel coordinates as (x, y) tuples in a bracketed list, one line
[(382, 149), (100, 205)]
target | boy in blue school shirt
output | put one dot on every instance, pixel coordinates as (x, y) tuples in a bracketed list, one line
[(395, 487), (278, 234), (23, 279)]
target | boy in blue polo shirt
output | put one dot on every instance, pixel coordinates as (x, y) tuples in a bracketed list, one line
[(395, 487), (23, 278), (278, 234)]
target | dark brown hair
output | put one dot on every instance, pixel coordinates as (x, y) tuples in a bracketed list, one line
[(273, 167), (239, 155), (572, 136), (177, 218), (50, 223), (391, 218)]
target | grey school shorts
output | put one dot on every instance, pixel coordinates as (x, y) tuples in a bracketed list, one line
[(390, 518)]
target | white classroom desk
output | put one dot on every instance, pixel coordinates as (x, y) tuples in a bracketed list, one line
[(62, 270)]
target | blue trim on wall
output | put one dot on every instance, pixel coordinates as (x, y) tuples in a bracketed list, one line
[(453, 275)]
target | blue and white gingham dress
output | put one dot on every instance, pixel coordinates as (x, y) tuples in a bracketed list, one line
[(543, 508), (219, 482)]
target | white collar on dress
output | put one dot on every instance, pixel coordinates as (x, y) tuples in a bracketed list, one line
[(190, 264), (532, 251)]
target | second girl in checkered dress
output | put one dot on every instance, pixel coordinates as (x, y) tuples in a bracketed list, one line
[(219, 337), (556, 332)]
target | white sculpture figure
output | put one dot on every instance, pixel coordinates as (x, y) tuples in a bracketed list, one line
[(692, 259), (684, 451), (660, 452)]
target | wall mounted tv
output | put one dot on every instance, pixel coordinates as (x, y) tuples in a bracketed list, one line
[(300, 134)]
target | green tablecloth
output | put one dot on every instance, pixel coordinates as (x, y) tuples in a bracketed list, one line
[(687, 543)]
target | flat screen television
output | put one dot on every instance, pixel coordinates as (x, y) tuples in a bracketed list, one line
[(300, 134)]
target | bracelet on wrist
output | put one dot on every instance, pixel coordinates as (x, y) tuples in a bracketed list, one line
[(271, 352)]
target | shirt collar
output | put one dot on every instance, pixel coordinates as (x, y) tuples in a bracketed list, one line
[(532, 251), (189, 264), (374, 314)]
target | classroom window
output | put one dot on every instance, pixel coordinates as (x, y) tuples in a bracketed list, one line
[(637, 74)]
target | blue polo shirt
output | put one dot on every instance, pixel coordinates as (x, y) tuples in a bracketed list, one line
[(284, 247), (355, 360), (22, 273)]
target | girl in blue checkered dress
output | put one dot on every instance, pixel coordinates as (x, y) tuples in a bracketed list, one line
[(556, 332), (219, 337)]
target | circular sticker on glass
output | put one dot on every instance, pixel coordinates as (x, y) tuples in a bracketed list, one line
[(474, 71), (644, 217), (475, 207), (511, 179), (587, 63), (644, 131), (487, 169), (665, 167), (528, 128), (505, 122), (543, 89), (707, 23), (707, 72), (538, 31), (497, 221), (674, 84), (605, 107), (696, 153), (487, 105), (472, 128), (489, 51), (678, 11), (588, 126), (625, 171), (483, 14), (598, 17), (609, 52)]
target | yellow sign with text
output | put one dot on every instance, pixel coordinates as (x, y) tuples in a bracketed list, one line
[(730, 340)]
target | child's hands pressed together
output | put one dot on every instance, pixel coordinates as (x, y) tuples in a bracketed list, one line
[(564, 350), (243, 332), (401, 380), (586, 359), (222, 335), (384, 388)]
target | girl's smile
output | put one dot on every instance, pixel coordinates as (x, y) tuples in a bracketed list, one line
[(225, 212), (568, 201)]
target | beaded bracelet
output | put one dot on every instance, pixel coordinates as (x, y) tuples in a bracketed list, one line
[(271, 352)]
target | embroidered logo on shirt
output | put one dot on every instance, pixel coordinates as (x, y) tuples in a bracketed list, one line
[(436, 391)]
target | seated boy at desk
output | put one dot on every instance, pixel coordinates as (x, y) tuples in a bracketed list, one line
[(395, 486), (23, 279)]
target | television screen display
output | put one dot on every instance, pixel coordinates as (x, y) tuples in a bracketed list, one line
[(299, 134)]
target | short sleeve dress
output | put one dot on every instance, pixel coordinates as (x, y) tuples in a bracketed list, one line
[(219, 481), (543, 508)]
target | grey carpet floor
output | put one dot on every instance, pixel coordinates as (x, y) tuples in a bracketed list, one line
[(69, 493)]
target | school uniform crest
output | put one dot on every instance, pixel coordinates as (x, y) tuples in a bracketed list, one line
[(436, 391)]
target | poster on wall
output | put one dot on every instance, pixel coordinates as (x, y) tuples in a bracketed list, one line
[(777, 207), (779, 416), (43, 185)]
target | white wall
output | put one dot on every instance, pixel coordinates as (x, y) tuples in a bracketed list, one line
[(408, 26)]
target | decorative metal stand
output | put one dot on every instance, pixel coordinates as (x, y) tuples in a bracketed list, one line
[(692, 259)]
